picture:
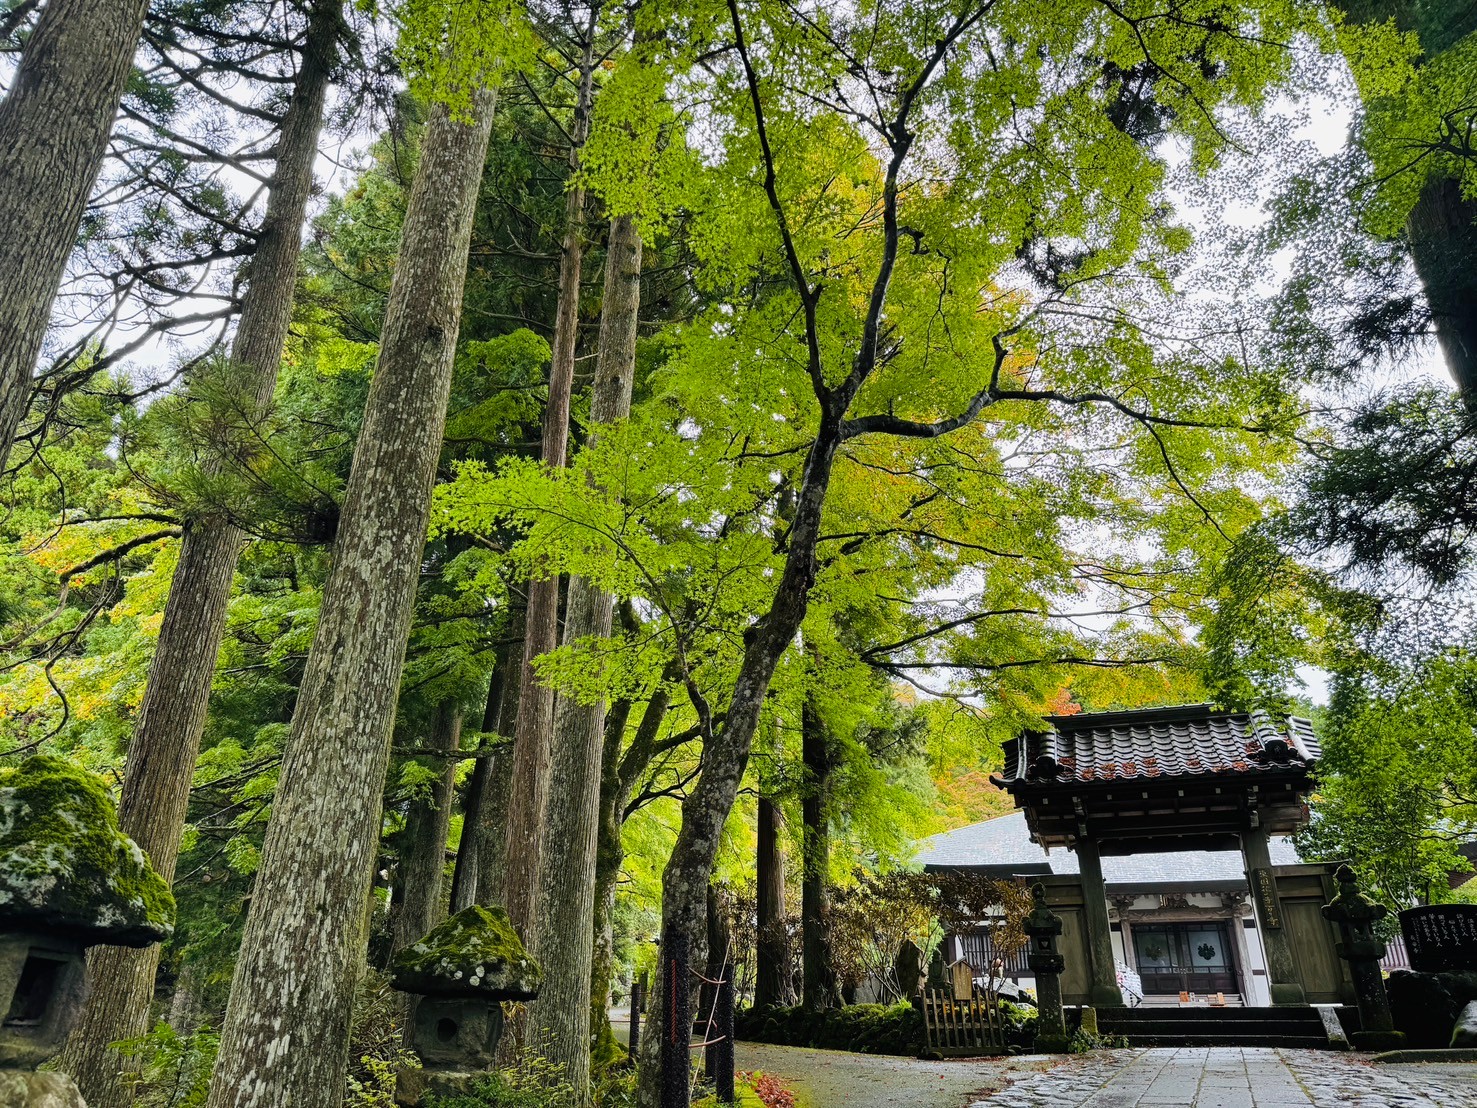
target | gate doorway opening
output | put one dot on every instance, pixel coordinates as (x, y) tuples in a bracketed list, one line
[(1185, 958)]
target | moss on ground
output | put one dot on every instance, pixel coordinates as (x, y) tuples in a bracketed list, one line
[(474, 953), (64, 864)]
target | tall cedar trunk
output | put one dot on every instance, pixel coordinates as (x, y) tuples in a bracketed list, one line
[(492, 819), (719, 953), (608, 858), (1443, 244), (478, 855), (166, 742), (285, 1039), (818, 980), (772, 984), (726, 751), (567, 884), (422, 869), (533, 734), (619, 773), (54, 127)]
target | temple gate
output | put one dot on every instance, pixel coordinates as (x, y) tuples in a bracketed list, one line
[(1190, 777)]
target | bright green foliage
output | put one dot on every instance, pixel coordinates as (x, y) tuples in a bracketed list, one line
[(171, 1070), (958, 563), (65, 866), (1417, 85), (1398, 788), (451, 49)]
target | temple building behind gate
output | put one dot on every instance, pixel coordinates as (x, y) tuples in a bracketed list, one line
[(1162, 838)]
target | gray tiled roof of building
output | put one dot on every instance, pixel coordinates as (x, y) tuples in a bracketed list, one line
[(1188, 740), (1004, 844)]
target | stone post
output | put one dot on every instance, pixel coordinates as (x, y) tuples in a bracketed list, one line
[(638, 1001), (1043, 926), (1105, 991), (1282, 974), (1356, 916)]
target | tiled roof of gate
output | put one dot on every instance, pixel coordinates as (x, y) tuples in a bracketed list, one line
[(1003, 845), (1190, 740)]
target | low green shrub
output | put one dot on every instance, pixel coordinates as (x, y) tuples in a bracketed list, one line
[(533, 1083), (864, 1028), (860, 1028), (167, 1069)]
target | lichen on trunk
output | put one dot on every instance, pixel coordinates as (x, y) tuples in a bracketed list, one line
[(285, 1038), (166, 742), (567, 892)]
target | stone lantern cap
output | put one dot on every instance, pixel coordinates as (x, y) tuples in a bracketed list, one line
[(476, 954), (1351, 905), (1041, 920), (66, 869)]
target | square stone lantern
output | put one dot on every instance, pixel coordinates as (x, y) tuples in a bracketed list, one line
[(43, 982), (461, 971), (69, 879)]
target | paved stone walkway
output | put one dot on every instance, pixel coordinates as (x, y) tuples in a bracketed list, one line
[(1236, 1077)]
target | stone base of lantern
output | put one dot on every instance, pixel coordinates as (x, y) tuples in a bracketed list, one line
[(456, 1034), (26, 1089), (1377, 1040), (413, 1086)]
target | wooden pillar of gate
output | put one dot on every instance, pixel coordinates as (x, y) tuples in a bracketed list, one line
[(1282, 971)]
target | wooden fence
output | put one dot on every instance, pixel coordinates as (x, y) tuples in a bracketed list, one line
[(963, 1020)]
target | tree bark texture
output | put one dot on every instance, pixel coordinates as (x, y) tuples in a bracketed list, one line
[(719, 941), (619, 773), (485, 813), (166, 741), (422, 867), (818, 981), (772, 978), (1443, 245), (608, 858), (533, 736), (54, 127), (567, 883), (285, 1039)]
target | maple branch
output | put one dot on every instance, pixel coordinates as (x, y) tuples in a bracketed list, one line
[(808, 296)]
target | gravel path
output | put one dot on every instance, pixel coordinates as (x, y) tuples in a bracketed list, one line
[(837, 1079)]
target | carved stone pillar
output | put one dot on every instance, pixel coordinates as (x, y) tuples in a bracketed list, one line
[(1356, 916), (1043, 926)]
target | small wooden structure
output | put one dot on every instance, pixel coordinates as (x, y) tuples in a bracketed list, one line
[(962, 1020)]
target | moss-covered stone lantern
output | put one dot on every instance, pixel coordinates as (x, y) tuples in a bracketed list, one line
[(69, 879), (1043, 927), (463, 970), (1356, 916)]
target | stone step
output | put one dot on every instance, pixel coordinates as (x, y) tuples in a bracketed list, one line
[(1168, 1027), (1308, 1025), (1302, 1042), (1208, 1015), (1294, 1027)]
